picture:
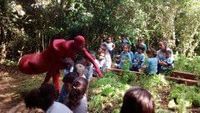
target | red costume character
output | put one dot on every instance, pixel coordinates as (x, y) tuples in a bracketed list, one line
[(51, 59)]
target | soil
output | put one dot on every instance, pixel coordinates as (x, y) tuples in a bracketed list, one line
[(10, 99)]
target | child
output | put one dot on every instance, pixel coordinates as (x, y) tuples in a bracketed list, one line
[(152, 62), (76, 99), (80, 69), (125, 56), (167, 63), (101, 60), (67, 83), (89, 69), (141, 43), (131, 53), (138, 100), (125, 40), (69, 65), (44, 98), (139, 58), (103, 52), (110, 45)]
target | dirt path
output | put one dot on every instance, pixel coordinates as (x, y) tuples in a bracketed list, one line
[(10, 99)]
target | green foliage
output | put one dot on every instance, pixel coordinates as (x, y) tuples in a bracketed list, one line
[(182, 92), (10, 63), (191, 65), (95, 103), (109, 91), (127, 77), (30, 26), (105, 92), (182, 106), (155, 81)]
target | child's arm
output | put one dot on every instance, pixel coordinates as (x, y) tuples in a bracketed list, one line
[(113, 46), (141, 62), (91, 59), (169, 61)]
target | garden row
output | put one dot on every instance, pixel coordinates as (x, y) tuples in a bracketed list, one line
[(106, 94)]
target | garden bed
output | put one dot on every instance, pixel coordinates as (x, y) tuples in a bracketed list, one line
[(105, 95), (184, 77), (177, 76)]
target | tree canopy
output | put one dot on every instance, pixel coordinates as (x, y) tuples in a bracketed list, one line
[(29, 26)]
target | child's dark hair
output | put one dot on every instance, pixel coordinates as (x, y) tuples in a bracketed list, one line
[(141, 47), (70, 77), (126, 45), (79, 88), (137, 100), (31, 99), (41, 98), (104, 47), (152, 51)]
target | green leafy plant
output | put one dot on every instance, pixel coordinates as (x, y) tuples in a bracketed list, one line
[(106, 92), (183, 63), (128, 77), (182, 92)]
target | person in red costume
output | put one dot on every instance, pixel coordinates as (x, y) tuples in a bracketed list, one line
[(51, 60)]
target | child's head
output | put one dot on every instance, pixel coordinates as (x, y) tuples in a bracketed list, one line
[(168, 53), (162, 45), (151, 53), (41, 98), (101, 56), (137, 100), (79, 85), (69, 62), (78, 89), (140, 40), (102, 48), (126, 48), (68, 80), (32, 99), (109, 39), (140, 49), (80, 69)]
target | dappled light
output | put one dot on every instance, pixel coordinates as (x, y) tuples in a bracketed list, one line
[(115, 45)]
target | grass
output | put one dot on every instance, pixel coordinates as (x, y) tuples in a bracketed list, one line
[(29, 84)]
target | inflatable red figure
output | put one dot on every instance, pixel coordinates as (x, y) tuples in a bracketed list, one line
[(51, 59)]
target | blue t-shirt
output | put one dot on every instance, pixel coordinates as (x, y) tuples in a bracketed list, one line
[(124, 56), (138, 60), (152, 65), (132, 55)]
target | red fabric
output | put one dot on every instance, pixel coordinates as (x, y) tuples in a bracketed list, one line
[(51, 59)]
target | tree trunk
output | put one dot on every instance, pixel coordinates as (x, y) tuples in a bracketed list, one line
[(3, 46), (3, 52)]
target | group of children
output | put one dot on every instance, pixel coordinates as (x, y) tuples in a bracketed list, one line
[(72, 98), (135, 100), (143, 59)]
